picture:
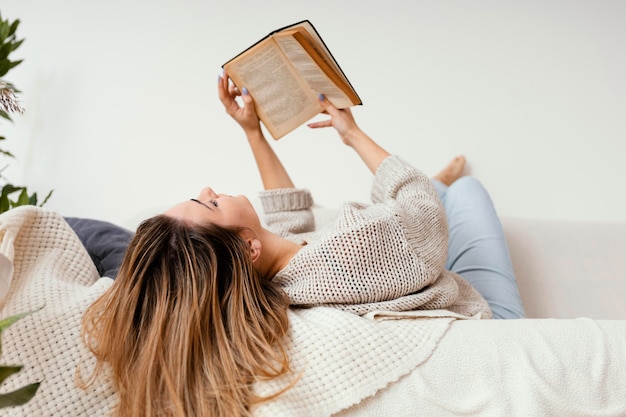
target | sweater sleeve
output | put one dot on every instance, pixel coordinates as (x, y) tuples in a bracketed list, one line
[(288, 210), (389, 255), (413, 198)]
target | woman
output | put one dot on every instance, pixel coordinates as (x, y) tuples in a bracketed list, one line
[(199, 307)]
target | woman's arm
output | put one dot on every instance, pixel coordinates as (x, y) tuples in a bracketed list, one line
[(273, 173), (351, 134), (397, 181)]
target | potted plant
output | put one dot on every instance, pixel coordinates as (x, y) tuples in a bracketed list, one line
[(9, 104)]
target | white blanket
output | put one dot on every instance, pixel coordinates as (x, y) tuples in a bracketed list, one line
[(527, 368), (362, 366), (340, 358), (54, 275)]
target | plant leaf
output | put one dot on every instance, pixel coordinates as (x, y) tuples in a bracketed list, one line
[(4, 203), (9, 189), (20, 396), (15, 63), (14, 26), (5, 65), (16, 44), (7, 371), (45, 200), (6, 49), (5, 115), (22, 200), (4, 30), (6, 322)]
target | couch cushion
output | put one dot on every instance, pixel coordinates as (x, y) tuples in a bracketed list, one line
[(569, 269)]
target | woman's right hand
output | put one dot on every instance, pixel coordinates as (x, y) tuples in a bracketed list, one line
[(351, 134), (245, 115), (341, 119)]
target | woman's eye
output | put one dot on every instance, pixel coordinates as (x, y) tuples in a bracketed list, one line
[(213, 202)]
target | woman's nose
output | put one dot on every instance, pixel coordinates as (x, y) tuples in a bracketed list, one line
[(207, 193)]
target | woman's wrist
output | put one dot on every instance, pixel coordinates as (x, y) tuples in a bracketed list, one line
[(370, 152), (354, 137), (348, 136), (254, 134)]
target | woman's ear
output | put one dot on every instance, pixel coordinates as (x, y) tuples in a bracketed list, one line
[(255, 248), (254, 244)]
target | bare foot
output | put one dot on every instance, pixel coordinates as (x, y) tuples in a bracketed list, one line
[(453, 171)]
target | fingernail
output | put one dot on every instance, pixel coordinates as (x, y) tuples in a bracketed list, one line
[(321, 97), (244, 91)]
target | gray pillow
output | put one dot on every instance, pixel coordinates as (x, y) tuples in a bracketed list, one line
[(105, 242)]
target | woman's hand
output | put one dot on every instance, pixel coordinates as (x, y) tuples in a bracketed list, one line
[(244, 115), (273, 173), (342, 120)]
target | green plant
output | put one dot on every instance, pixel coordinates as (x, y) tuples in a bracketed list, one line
[(21, 395), (9, 104)]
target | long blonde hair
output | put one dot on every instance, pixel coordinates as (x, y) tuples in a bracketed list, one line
[(188, 325)]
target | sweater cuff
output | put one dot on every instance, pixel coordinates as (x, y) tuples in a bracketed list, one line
[(285, 199), (389, 172)]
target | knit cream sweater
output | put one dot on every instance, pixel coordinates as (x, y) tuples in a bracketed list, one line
[(389, 255)]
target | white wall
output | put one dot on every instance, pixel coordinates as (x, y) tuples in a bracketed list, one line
[(123, 119)]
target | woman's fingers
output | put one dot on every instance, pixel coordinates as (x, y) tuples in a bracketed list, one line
[(233, 90), (227, 95), (324, 123)]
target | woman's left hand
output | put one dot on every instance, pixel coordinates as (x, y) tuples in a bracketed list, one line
[(245, 115)]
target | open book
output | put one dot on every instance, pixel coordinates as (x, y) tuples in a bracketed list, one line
[(285, 72)]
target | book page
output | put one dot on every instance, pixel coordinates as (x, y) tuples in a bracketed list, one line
[(315, 78), (278, 94), (319, 44), (324, 62)]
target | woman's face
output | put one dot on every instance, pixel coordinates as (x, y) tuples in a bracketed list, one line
[(221, 209)]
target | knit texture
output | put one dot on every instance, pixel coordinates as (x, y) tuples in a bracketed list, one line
[(389, 255), (339, 357), (55, 277)]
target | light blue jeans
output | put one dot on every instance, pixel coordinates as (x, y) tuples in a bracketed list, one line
[(477, 248)]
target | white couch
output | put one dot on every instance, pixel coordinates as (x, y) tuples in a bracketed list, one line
[(567, 359), (569, 269)]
